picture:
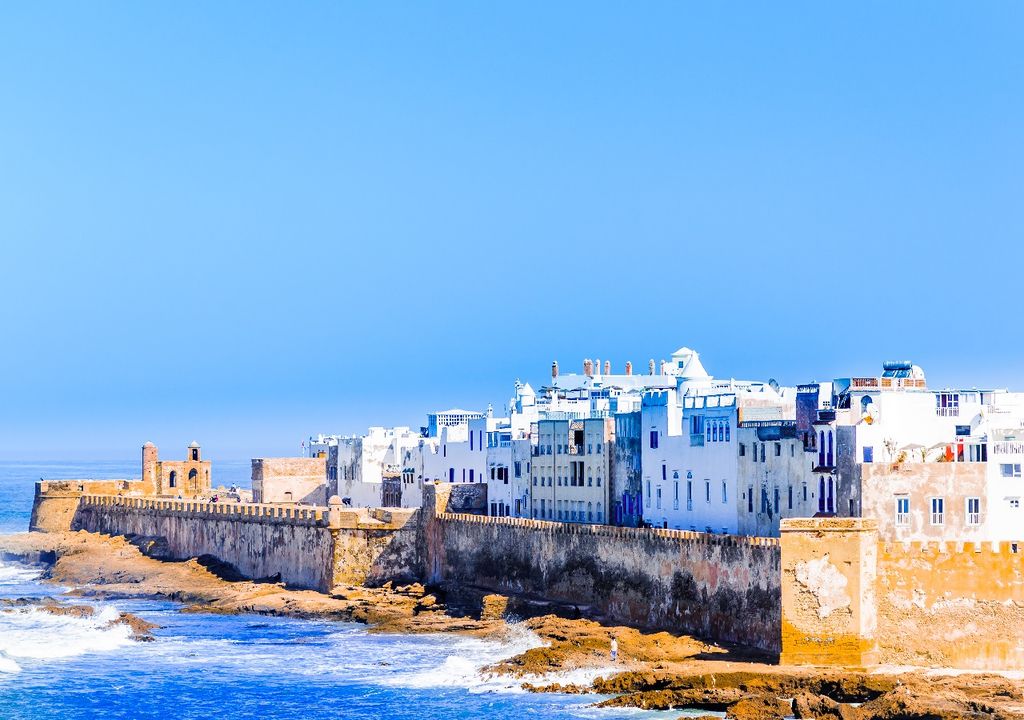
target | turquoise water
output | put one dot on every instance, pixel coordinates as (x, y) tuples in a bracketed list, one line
[(212, 666)]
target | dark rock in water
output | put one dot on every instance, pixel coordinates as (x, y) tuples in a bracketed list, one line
[(79, 611), (141, 629)]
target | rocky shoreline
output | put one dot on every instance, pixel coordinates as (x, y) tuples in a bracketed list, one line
[(657, 671)]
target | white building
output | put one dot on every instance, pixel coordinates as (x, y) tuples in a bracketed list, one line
[(357, 465), (926, 463), (690, 449)]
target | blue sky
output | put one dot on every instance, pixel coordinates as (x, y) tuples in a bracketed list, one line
[(245, 222)]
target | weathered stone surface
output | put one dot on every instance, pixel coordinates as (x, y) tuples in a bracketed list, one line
[(758, 708)]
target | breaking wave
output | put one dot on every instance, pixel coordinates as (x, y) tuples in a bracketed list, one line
[(27, 633)]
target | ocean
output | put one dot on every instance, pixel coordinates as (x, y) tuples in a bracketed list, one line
[(239, 666)]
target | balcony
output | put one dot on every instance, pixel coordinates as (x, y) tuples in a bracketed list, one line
[(864, 383)]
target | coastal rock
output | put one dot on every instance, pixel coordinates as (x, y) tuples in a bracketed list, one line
[(493, 607), (141, 629), (758, 708), (910, 703), (807, 706), (78, 611)]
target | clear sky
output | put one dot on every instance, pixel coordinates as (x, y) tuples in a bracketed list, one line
[(247, 222)]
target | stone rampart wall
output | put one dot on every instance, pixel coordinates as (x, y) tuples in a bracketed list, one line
[(951, 604), (259, 541), (724, 588)]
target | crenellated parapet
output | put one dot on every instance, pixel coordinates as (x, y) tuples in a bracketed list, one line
[(614, 532)]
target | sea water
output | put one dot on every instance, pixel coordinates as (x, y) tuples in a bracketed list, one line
[(240, 666)]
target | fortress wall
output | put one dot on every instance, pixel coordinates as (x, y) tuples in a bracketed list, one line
[(56, 501), (951, 604), (308, 547), (259, 541), (721, 587)]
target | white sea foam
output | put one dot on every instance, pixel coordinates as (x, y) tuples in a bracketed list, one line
[(17, 574), (31, 634)]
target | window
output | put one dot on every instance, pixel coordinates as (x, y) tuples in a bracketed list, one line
[(648, 503), (658, 501), (743, 450), (762, 451), (869, 454), (973, 511), (750, 498), (727, 431), (937, 506), (1014, 502), (714, 432), (805, 492), (689, 494), (902, 512), (947, 404), (707, 491), (708, 430), (1010, 470), (675, 495), (776, 501), (600, 512), (778, 449), (664, 472), (654, 439), (821, 494), (725, 492), (517, 467), (790, 497)]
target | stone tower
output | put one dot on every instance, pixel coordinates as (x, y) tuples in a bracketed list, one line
[(150, 468)]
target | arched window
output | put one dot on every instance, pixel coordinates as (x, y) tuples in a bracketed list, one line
[(193, 484), (590, 512), (600, 513), (714, 432), (821, 494), (821, 450), (172, 481), (831, 502), (727, 431), (829, 448), (865, 404)]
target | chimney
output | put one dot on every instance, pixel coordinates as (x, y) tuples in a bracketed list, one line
[(588, 367), (607, 367), (629, 367), (597, 366), (554, 369), (650, 366)]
